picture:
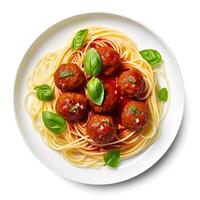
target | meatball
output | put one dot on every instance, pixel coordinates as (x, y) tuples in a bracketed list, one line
[(132, 83), (101, 129), (69, 77), (110, 100), (135, 115), (110, 60), (72, 106)]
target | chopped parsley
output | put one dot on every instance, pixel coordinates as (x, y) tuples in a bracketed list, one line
[(66, 74), (131, 79), (106, 121), (73, 108), (134, 109)]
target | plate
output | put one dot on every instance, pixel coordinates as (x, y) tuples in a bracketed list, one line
[(55, 37)]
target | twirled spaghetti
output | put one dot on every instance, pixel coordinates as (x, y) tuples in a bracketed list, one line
[(74, 143)]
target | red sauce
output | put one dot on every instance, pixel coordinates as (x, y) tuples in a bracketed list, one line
[(123, 99)]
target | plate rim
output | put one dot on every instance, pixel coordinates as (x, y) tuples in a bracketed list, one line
[(127, 17)]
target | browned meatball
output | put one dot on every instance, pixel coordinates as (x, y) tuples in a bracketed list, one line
[(101, 129), (135, 115), (110, 100), (110, 60), (72, 106), (69, 77), (132, 83)]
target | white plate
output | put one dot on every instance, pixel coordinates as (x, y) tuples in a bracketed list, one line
[(55, 37)]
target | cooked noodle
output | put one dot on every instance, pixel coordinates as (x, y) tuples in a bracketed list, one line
[(75, 145)]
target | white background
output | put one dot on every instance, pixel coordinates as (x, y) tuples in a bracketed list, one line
[(176, 176)]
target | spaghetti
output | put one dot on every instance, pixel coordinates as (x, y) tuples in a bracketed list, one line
[(74, 143)]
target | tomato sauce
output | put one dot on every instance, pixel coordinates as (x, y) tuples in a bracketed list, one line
[(123, 99)]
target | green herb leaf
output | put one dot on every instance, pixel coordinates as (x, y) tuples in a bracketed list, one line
[(106, 121), (112, 158), (131, 79), (163, 94), (44, 92), (133, 109), (79, 39), (53, 121), (152, 56), (73, 109), (66, 74), (92, 62), (95, 91)]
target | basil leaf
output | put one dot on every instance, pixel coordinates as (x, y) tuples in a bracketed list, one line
[(152, 56), (133, 109), (95, 91), (163, 94), (44, 92), (53, 121), (92, 62), (66, 74), (112, 158), (79, 39)]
